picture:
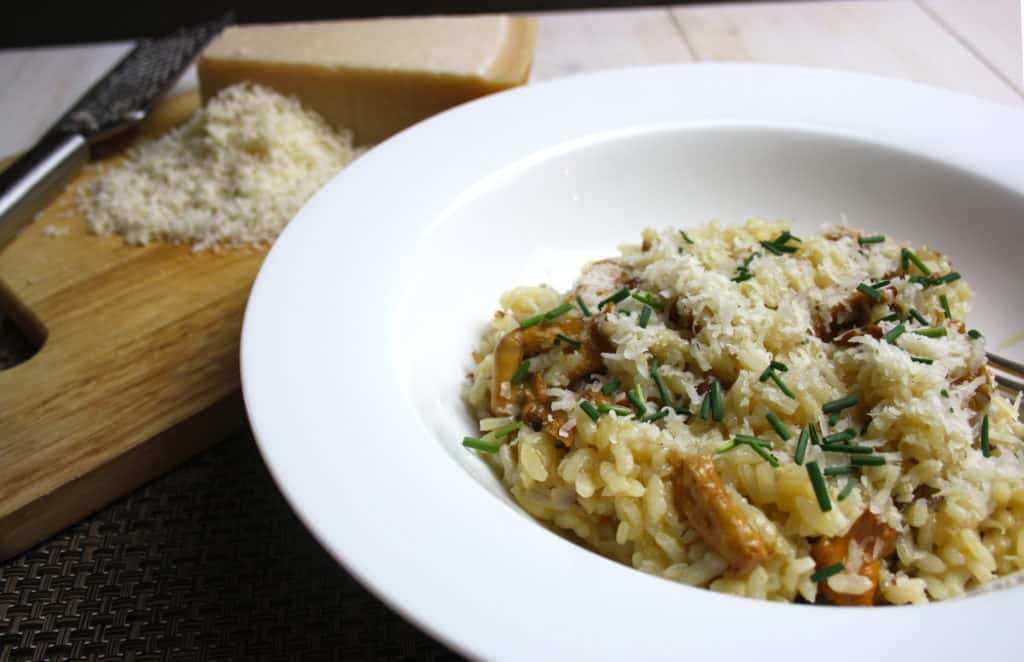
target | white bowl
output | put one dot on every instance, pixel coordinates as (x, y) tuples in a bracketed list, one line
[(359, 327)]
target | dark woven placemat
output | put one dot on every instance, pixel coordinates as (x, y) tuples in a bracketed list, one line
[(206, 563)]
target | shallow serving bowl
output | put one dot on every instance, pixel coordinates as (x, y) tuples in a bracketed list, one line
[(358, 334)]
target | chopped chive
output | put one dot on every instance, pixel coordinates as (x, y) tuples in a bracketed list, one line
[(867, 460), (839, 437), (768, 457), (815, 436), (986, 447), (543, 317), (904, 260), (686, 237), (521, 371), (923, 281), (833, 418), (909, 255), (705, 406), (604, 408), (932, 332), (550, 315), (864, 288), (892, 317), (840, 471), (645, 316), (974, 334), (610, 387), (783, 239), (952, 276), (801, 446), (944, 393), (820, 489), (566, 339), (717, 413), (759, 446), (752, 440), (615, 298), (894, 333), (780, 429), (506, 430), (873, 239), (840, 404), (636, 396), (589, 410), (826, 572), (765, 375), (663, 392), (649, 299), (772, 248), (558, 312), (727, 446), (918, 316), (850, 449), (881, 283), (851, 482), (583, 306), (944, 302), (650, 418), (921, 359), (531, 321), (683, 411), (779, 365), (743, 271), (782, 386), (480, 444)]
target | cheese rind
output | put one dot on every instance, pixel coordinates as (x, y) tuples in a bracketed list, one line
[(377, 76)]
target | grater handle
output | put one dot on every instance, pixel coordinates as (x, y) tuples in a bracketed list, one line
[(36, 178)]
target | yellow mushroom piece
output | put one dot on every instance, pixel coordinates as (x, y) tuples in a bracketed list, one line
[(698, 494)]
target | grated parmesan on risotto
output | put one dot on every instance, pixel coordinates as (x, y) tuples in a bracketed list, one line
[(760, 414)]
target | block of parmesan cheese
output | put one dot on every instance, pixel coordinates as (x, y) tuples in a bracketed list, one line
[(375, 76)]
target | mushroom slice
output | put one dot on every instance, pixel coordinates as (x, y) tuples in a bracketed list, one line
[(520, 344), (876, 540), (699, 494)]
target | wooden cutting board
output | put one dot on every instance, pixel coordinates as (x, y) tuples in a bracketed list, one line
[(138, 371)]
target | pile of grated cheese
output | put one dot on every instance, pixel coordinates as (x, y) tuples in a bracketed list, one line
[(234, 174)]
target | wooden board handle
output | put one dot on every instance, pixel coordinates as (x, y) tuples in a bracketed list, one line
[(139, 369)]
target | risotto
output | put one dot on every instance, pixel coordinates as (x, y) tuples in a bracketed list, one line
[(737, 408)]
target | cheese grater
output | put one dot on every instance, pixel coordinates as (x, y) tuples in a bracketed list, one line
[(118, 102)]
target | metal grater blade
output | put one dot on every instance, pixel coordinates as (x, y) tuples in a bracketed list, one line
[(126, 93)]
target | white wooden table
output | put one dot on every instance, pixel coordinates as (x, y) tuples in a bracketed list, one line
[(972, 46)]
